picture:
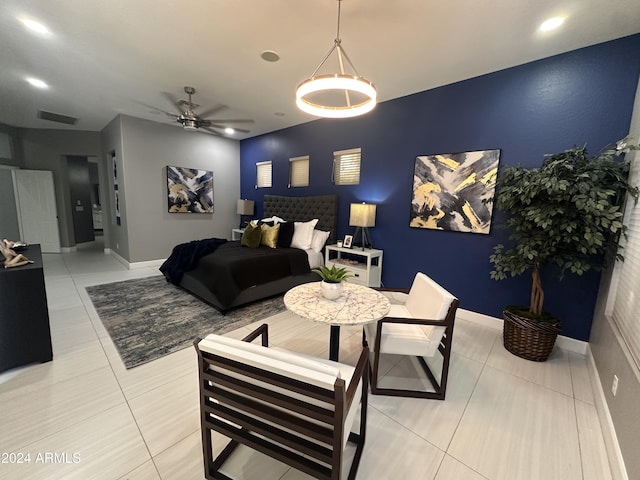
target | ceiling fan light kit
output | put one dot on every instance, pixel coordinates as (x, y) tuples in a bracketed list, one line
[(336, 95)]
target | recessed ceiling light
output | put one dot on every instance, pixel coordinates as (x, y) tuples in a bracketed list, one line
[(229, 131), (34, 26), (551, 23), (270, 56), (37, 82)]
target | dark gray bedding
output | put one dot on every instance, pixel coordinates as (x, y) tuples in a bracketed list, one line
[(233, 275), (233, 268)]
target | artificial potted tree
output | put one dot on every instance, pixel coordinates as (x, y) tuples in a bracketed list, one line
[(332, 279), (566, 214)]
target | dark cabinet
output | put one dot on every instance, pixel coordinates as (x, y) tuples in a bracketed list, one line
[(25, 335)]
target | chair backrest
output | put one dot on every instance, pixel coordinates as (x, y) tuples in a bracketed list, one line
[(289, 407), (427, 299)]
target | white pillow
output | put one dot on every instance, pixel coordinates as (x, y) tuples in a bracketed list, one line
[(318, 240), (274, 219), (303, 234)]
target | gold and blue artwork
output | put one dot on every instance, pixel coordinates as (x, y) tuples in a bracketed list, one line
[(449, 191), (190, 190)]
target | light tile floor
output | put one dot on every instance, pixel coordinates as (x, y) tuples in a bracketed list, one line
[(84, 416)]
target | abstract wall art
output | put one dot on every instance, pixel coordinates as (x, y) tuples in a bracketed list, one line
[(449, 189), (116, 192), (190, 190)]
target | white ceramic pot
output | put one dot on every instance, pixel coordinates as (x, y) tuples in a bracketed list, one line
[(331, 291)]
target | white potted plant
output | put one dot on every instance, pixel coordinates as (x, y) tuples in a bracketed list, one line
[(332, 279)]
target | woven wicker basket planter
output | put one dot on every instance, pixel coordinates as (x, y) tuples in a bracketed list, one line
[(528, 339)]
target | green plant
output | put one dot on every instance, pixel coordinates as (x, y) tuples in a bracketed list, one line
[(567, 213), (333, 274)]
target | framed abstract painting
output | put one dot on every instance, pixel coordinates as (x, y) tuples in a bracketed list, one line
[(190, 190), (449, 191)]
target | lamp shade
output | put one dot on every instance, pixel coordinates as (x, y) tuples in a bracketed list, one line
[(245, 207), (362, 215)]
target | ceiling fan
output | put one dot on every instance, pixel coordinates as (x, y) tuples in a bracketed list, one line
[(191, 121)]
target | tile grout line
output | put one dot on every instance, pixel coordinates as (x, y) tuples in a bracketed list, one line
[(124, 396), (475, 386)]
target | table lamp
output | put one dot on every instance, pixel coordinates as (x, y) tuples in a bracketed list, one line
[(245, 207), (362, 216)]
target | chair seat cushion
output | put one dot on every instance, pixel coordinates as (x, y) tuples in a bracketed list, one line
[(405, 339), (283, 362), (313, 370)]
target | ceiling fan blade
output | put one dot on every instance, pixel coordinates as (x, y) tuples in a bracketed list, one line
[(174, 101), (222, 127), (213, 111), (235, 120), (211, 130), (159, 110)]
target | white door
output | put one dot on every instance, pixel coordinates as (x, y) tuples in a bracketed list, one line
[(37, 213)]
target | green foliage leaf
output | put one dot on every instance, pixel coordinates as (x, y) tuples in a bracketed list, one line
[(566, 213)]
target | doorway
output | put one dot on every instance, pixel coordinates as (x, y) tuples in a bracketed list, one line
[(80, 196)]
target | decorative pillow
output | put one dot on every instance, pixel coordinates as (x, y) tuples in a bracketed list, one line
[(269, 235), (251, 236), (318, 240), (273, 219), (285, 235), (303, 233)]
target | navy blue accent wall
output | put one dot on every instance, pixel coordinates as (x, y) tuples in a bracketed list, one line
[(584, 96)]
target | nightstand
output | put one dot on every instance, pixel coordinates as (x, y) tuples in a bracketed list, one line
[(365, 265), (236, 233)]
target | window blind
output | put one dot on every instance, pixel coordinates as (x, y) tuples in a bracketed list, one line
[(346, 167), (299, 171), (627, 291), (263, 174)]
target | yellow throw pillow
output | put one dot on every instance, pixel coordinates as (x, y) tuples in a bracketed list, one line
[(269, 235)]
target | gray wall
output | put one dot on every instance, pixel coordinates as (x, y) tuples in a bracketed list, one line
[(115, 236), (612, 358), (14, 135), (9, 226), (144, 149), (47, 150)]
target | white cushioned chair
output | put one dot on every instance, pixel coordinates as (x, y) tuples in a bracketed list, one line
[(298, 409), (420, 323)]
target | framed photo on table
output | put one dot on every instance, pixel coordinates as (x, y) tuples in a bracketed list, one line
[(348, 239)]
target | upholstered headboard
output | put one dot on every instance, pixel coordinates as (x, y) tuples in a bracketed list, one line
[(303, 209)]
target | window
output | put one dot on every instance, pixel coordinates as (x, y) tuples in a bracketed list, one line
[(626, 280), (299, 171), (263, 174), (346, 167)]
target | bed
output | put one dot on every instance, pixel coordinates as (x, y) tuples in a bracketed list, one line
[(234, 275)]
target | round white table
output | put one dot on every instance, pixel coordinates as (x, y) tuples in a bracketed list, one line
[(356, 306)]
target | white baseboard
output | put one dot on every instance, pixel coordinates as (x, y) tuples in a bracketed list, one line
[(118, 257), (134, 265), (68, 249), (147, 264), (614, 454), (565, 343), (616, 462)]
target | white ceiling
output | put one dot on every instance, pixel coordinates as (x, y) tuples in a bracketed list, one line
[(106, 57)]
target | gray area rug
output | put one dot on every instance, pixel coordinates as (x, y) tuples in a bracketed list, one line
[(148, 318)]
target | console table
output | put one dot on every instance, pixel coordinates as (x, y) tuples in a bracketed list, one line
[(25, 335)]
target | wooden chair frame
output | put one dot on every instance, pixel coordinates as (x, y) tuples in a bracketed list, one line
[(275, 424), (444, 348)]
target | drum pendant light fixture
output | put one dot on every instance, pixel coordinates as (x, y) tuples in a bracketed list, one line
[(338, 95)]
